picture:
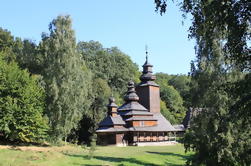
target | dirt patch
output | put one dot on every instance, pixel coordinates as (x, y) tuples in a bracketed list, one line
[(41, 149), (25, 148)]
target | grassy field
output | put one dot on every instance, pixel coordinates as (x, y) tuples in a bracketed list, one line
[(173, 155)]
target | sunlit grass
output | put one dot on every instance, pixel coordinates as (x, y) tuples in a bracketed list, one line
[(75, 155)]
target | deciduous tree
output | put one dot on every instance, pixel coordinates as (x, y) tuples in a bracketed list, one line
[(22, 105), (67, 79), (171, 97), (222, 33), (109, 64)]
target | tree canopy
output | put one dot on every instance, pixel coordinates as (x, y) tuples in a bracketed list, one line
[(67, 81), (22, 102), (222, 67), (109, 64), (171, 97)]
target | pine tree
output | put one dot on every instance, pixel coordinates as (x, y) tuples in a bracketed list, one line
[(67, 79)]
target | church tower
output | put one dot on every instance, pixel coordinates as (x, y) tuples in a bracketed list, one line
[(148, 91)]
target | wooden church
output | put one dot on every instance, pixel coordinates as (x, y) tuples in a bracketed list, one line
[(138, 121)]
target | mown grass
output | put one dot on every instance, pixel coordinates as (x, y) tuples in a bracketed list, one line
[(77, 156)]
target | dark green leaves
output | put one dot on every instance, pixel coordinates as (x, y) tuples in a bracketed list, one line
[(222, 32), (21, 105), (67, 80)]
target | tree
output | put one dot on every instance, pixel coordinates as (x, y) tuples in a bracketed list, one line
[(26, 53), (109, 64), (163, 78), (8, 45), (66, 77), (222, 32), (167, 113), (230, 19), (174, 102), (28, 56), (101, 92), (182, 84), (171, 97), (22, 105)]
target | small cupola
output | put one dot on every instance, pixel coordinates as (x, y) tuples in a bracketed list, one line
[(131, 100), (131, 93), (112, 107), (147, 73)]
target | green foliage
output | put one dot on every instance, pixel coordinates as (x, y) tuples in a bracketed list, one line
[(167, 113), (220, 135), (174, 102), (100, 93), (109, 64), (182, 84), (163, 78), (21, 105), (29, 56), (171, 97), (227, 21), (7, 45), (6, 40), (66, 77), (26, 53), (240, 116)]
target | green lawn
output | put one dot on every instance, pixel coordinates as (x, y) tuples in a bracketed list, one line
[(76, 156)]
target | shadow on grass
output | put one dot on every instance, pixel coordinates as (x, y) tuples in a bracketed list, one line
[(119, 160), (116, 160), (171, 164), (170, 154), (4, 141)]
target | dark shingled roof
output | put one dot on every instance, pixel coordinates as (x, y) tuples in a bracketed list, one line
[(141, 118), (123, 113), (163, 125), (110, 121), (112, 105), (133, 105), (147, 76), (147, 83), (110, 129)]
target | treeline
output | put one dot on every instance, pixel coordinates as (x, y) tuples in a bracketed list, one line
[(57, 90), (175, 96)]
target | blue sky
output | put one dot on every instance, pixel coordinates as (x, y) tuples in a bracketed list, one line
[(129, 25)]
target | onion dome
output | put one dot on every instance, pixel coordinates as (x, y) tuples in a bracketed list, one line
[(147, 78), (131, 93), (147, 74), (131, 100)]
